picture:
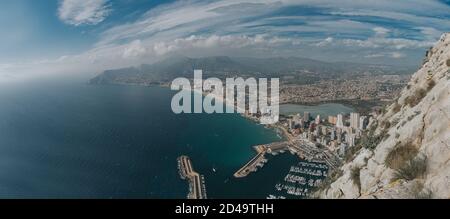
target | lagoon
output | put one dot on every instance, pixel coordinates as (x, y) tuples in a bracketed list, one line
[(324, 110)]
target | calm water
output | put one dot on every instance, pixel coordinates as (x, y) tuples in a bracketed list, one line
[(67, 139), (328, 109)]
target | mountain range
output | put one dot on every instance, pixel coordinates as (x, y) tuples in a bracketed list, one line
[(224, 66)]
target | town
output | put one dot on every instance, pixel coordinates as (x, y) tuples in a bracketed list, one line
[(320, 143), (376, 88), (213, 90), (335, 133)]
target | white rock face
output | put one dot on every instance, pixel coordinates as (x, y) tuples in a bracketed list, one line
[(427, 124)]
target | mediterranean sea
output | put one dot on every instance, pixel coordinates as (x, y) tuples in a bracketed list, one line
[(64, 138)]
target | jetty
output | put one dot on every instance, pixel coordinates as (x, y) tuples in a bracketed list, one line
[(253, 164), (197, 189)]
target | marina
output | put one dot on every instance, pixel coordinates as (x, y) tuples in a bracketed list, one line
[(302, 148), (300, 180)]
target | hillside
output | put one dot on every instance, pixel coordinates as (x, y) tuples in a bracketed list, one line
[(406, 154)]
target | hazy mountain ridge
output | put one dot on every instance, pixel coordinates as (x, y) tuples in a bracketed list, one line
[(224, 66)]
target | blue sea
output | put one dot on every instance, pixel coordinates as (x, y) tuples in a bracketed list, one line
[(64, 138)]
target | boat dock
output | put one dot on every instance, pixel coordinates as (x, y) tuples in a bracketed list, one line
[(252, 165), (196, 181), (259, 159)]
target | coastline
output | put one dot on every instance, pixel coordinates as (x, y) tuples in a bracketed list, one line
[(278, 128)]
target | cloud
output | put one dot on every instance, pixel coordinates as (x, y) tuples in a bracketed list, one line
[(325, 42), (135, 49), (381, 40), (430, 33), (345, 30), (376, 55), (381, 31), (193, 45), (352, 23), (138, 52), (83, 12), (388, 43), (395, 55), (223, 43)]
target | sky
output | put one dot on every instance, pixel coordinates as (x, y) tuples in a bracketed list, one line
[(89, 36)]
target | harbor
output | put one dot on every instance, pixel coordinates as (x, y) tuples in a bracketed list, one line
[(302, 148), (300, 180)]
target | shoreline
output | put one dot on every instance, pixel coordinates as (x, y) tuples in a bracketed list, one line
[(361, 106), (299, 151), (277, 127)]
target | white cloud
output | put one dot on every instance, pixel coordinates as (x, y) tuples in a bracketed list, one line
[(325, 42), (397, 55), (388, 43), (381, 41), (190, 44), (381, 31), (221, 18), (345, 28), (135, 49), (430, 33), (139, 51), (83, 12), (221, 42), (375, 55)]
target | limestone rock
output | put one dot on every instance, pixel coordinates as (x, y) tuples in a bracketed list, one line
[(425, 122)]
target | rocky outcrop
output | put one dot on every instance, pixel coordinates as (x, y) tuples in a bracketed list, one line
[(419, 119)]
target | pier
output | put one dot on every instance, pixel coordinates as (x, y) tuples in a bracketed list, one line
[(303, 148), (252, 165), (196, 181)]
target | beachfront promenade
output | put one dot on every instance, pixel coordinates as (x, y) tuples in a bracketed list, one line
[(304, 149), (197, 188)]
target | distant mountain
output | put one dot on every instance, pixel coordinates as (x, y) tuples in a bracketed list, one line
[(224, 66)]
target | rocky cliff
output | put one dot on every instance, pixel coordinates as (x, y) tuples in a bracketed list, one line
[(406, 154)]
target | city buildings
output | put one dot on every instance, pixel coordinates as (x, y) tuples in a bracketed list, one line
[(332, 120), (340, 121), (363, 122), (291, 124), (338, 135), (317, 120), (306, 117), (354, 120)]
